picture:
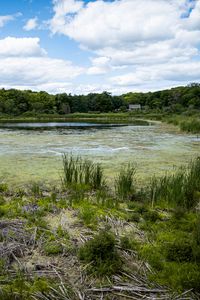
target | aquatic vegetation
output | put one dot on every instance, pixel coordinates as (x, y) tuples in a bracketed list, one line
[(180, 189), (124, 183), (77, 170)]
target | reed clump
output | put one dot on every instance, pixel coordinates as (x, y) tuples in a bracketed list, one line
[(124, 183), (179, 189), (77, 170)]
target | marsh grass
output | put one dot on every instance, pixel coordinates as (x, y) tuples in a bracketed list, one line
[(124, 183), (186, 123), (77, 170), (179, 189), (192, 125)]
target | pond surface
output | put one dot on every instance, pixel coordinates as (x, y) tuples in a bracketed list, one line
[(33, 151)]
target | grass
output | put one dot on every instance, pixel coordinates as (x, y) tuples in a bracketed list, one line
[(124, 183), (186, 122), (77, 170), (158, 223), (181, 189)]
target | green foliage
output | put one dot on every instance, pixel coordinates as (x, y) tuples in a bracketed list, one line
[(77, 170), (178, 276), (152, 254), (151, 216), (3, 187), (180, 189), (101, 254), (179, 250), (124, 183), (133, 217), (192, 125), (32, 104), (36, 189), (128, 243), (88, 215), (53, 248)]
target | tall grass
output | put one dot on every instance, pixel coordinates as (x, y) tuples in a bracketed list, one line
[(192, 125), (186, 123), (77, 170), (124, 182), (180, 189)]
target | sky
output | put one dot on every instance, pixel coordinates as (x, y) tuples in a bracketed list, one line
[(87, 46)]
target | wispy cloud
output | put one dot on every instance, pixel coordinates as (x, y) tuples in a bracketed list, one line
[(31, 24), (7, 18)]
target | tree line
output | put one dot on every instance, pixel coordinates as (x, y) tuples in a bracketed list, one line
[(16, 102)]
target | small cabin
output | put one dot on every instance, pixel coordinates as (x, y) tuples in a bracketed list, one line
[(134, 107)]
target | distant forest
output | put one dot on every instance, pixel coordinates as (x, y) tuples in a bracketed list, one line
[(28, 103)]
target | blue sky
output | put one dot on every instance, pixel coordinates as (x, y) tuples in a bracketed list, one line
[(79, 46)]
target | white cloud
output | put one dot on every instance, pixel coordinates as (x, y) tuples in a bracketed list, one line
[(174, 72), (31, 24), (24, 64), (12, 46), (145, 38), (100, 65)]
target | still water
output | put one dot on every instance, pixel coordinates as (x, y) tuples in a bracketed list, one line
[(33, 151)]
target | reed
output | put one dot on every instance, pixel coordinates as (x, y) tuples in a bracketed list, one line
[(180, 189), (124, 183), (77, 170)]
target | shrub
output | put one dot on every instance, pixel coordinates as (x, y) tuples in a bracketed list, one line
[(101, 254)]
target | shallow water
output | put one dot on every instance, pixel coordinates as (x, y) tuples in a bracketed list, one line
[(27, 154)]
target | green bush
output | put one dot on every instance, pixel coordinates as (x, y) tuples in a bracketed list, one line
[(101, 254)]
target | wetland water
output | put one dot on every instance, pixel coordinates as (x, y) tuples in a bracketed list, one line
[(33, 151)]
